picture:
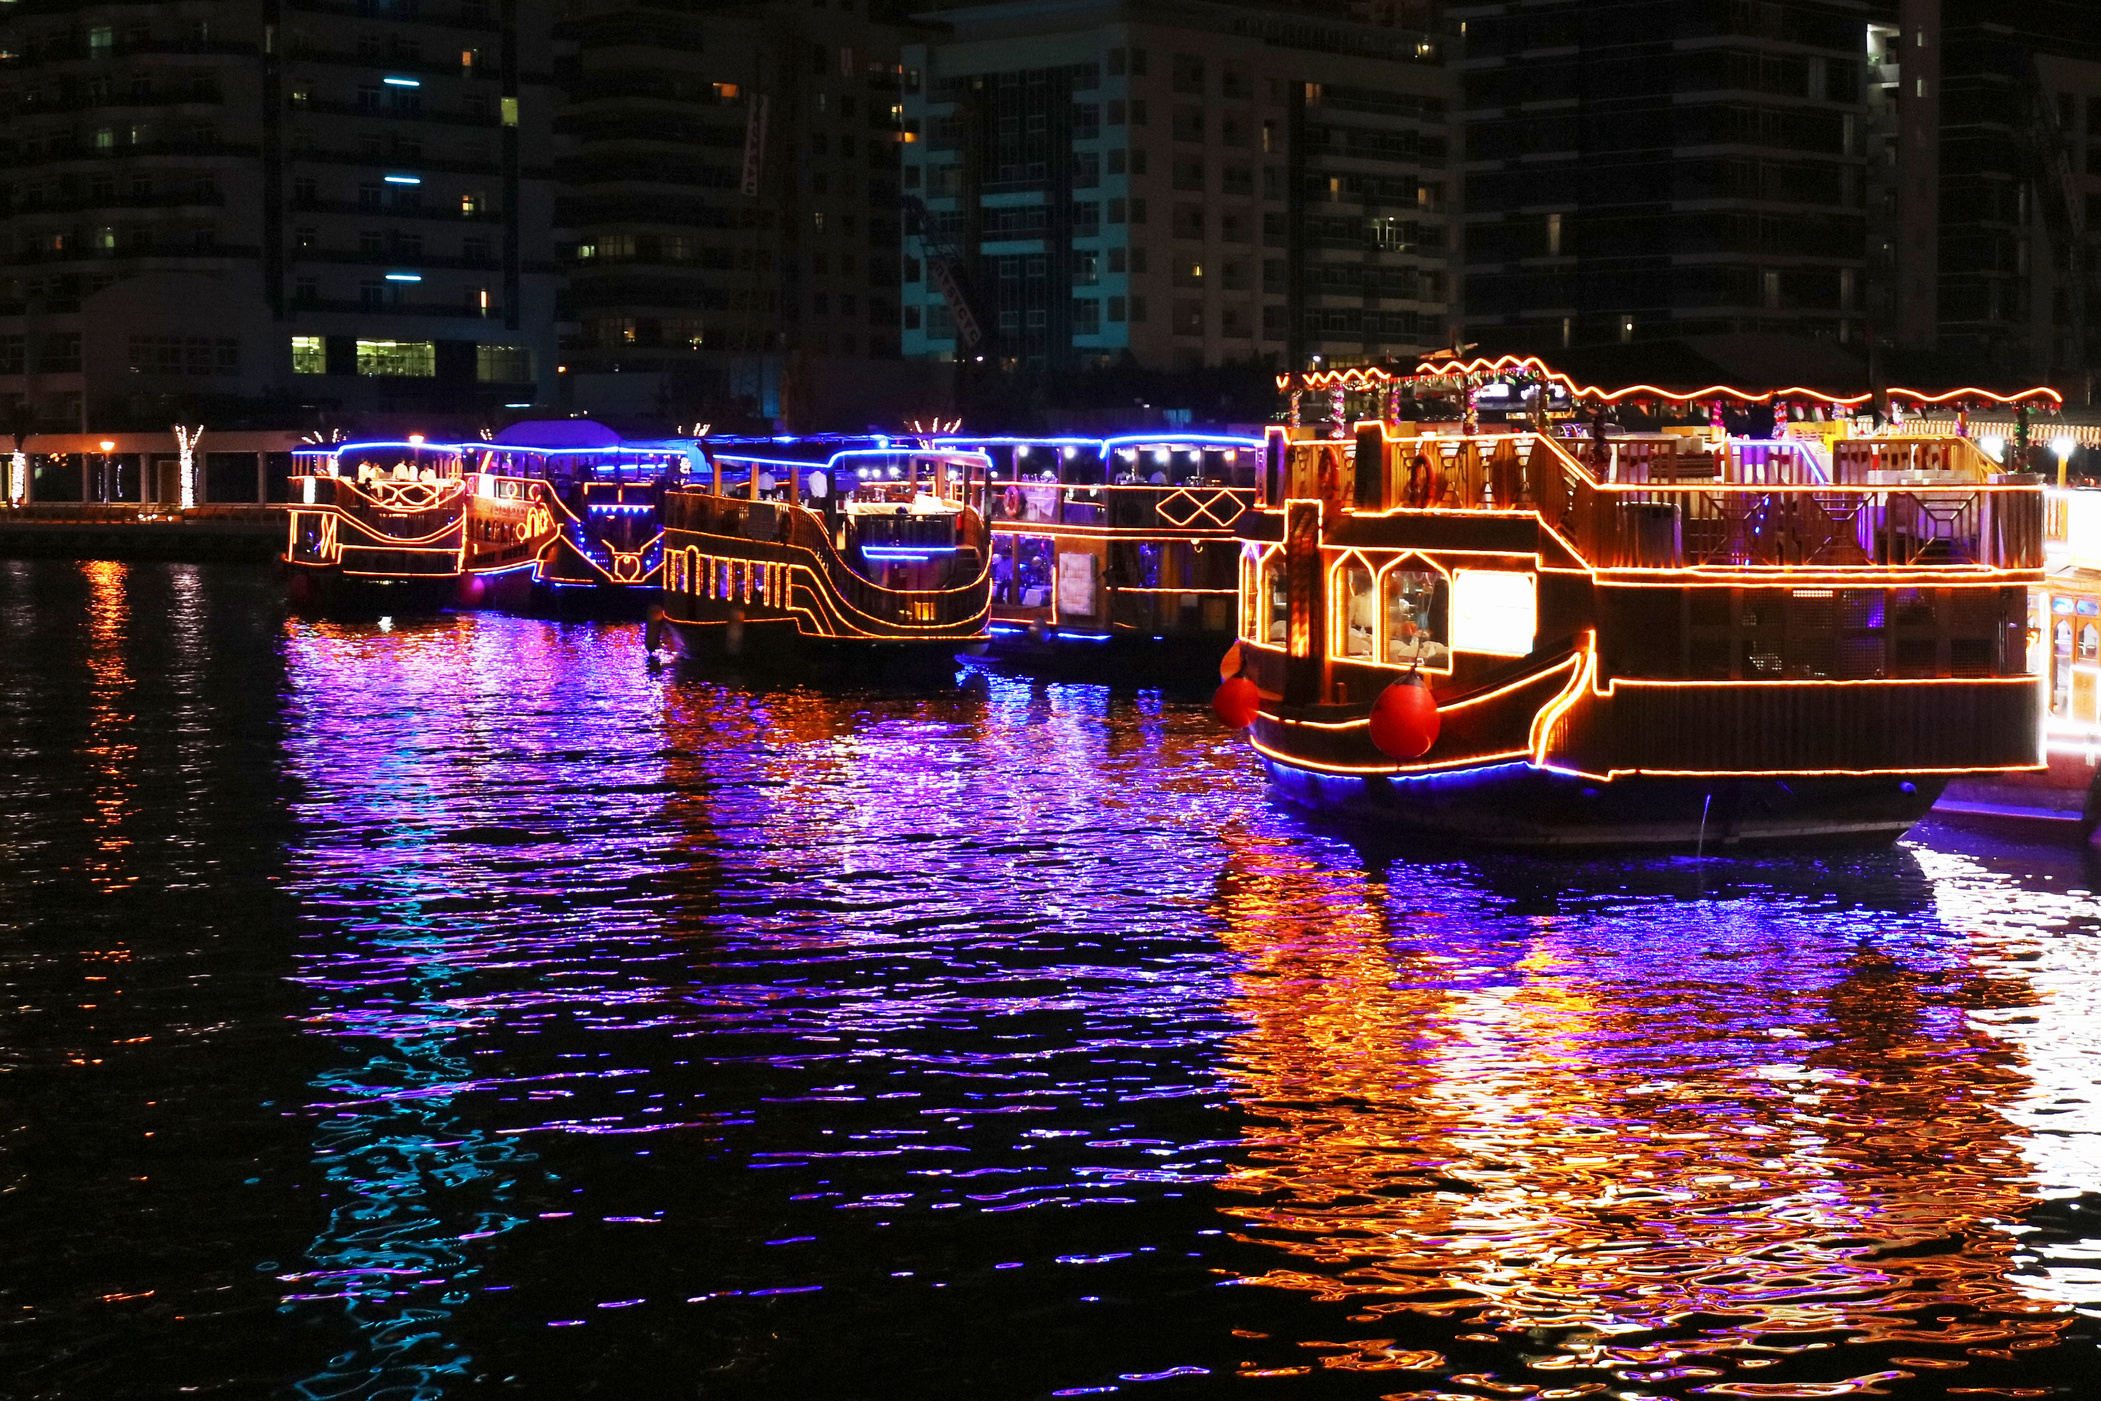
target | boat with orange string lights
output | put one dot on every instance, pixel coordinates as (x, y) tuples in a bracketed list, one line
[(1494, 631), (862, 550), (408, 525)]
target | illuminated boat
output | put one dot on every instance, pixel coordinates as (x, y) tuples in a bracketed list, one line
[(607, 497), (1693, 648), (408, 526), (2062, 801), (1119, 545), (867, 550)]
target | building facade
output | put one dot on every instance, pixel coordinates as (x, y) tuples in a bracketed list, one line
[(1185, 183), (1640, 169), (1985, 193), (729, 206), (241, 211)]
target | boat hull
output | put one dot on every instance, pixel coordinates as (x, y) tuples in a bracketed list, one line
[(1517, 805), (1175, 659), (325, 591)]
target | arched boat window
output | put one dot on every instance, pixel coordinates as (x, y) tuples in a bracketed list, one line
[(1359, 615), (2089, 643), (1418, 604), (1276, 593)]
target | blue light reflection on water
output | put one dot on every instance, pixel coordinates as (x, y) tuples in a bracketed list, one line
[(797, 1039), (395, 863)]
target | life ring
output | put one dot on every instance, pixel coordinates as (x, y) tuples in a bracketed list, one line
[(1421, 480), (1012, 503)]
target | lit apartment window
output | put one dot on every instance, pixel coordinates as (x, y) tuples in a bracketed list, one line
[(309, 355), (417, 359)]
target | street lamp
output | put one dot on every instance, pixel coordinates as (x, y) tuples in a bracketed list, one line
[(109, 494), (2064, 448)]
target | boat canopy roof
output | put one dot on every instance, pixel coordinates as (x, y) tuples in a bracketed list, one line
[(558, 433)]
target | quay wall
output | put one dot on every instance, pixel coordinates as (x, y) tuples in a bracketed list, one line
[(204, 534)]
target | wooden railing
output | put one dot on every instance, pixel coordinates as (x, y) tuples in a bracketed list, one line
[(960, 599), (1663, 508), (409, 513), (1969, 523)]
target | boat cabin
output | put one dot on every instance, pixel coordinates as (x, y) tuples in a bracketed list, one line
[(830, 539)]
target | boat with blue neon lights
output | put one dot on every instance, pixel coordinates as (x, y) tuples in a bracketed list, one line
[(607, 497), (405, 526), (1117, 550), (1701, 644), (825, 546)]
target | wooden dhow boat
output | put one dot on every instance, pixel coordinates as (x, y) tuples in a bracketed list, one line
[(866, 551), (1507, 637), (408, 525), (1114, 551), (606, 497)]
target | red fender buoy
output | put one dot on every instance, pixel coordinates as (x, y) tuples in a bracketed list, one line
[(1404, 719), (1236, 702)]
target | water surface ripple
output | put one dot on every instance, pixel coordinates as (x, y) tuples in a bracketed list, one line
[(428, 1009)]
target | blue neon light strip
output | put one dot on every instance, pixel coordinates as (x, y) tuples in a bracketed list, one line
[(921, 553)]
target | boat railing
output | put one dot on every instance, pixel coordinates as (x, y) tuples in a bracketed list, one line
[(907, 530), (1867, 461), (1660, 507), (404, 511), (806, 529), (1955, 523), (1676, 458)]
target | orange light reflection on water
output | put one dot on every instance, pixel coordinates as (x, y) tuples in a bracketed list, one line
[(1666, 1162), (110, 751)]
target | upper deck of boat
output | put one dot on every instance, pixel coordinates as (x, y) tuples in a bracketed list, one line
[(1643, 506)]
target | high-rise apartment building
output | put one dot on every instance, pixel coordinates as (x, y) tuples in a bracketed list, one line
[(1641, 169), (1185, 182), (729, 195), (228, 210), (1985, 186)]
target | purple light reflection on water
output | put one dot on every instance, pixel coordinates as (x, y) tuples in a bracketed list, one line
[(900, 994)]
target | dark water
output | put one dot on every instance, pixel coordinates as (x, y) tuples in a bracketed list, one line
[(466, 1007)]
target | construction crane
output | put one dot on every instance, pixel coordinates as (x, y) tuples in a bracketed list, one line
[(943, 261)]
